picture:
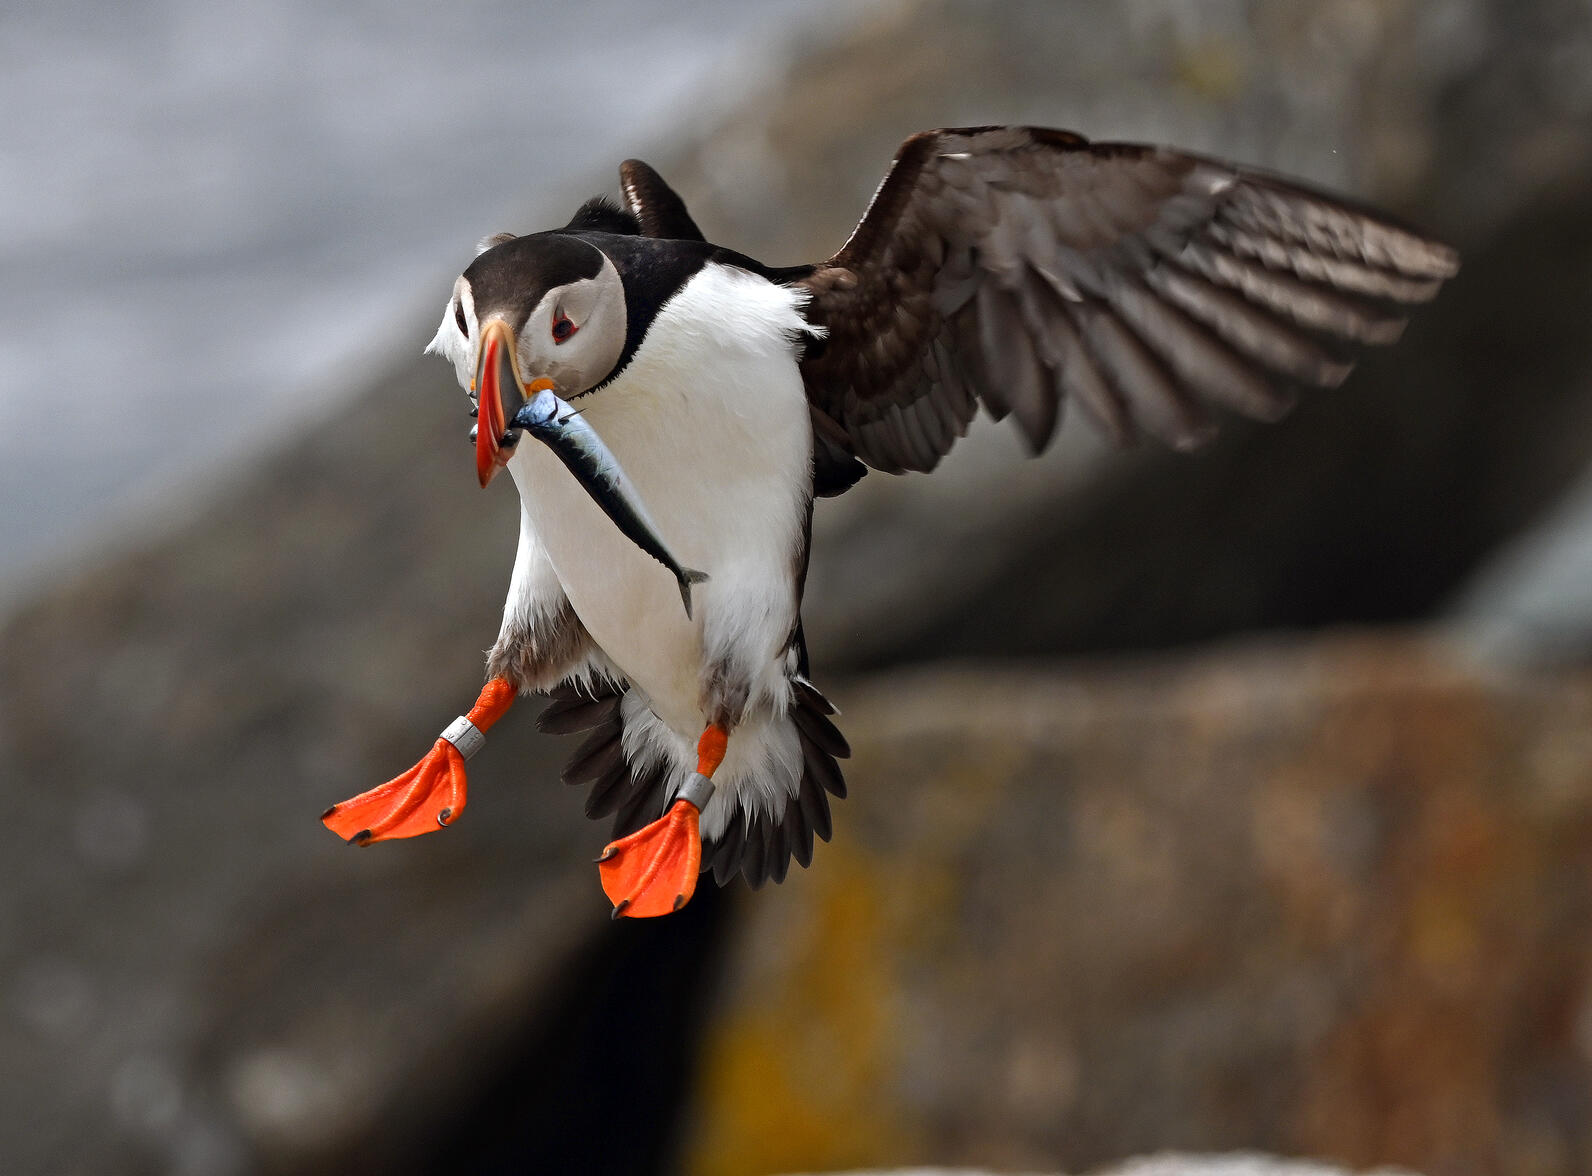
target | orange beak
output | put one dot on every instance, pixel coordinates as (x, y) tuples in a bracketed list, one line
[(500, 392)]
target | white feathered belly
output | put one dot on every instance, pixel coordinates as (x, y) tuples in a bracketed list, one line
[(710, 422)]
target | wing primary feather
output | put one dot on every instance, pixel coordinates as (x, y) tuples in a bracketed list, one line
[(995, 336), (896, 438), (1073, 372), (958, 403), (1308, 304), (968, 352), (1352, 275), (929, 415), (1249, 329), (1195, 357), (1153, 398), (1079, 377), (924, 454), (1013, 367), (873, 446), (1278, 208)]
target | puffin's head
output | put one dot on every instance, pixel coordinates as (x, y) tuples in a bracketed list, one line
[(547, 309)]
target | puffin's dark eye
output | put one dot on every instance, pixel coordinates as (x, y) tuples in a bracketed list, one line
[(458, 317), (563, 329)]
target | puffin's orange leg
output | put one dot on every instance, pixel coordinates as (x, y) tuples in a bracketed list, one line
[(654, 870), (430, 794)]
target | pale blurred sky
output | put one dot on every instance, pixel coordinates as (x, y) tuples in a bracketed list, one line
[(209, 212)]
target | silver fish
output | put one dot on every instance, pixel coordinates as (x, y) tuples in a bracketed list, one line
[(556, 423)]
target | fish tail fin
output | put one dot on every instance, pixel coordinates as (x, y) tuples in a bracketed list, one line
[(687, 578)]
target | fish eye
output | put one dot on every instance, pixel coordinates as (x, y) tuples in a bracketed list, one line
[(458, 317), (563, 328)]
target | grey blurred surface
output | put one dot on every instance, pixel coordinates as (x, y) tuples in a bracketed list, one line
[(195, 977), (226, 214), (172, 904), (1532, 603)]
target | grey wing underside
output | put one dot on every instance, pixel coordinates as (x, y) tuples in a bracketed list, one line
[(1021, 267)]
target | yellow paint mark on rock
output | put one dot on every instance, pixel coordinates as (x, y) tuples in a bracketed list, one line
[(796, 1077)]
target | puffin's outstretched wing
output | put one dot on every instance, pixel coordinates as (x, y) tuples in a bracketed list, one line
[(655, 205), (1018, 266)]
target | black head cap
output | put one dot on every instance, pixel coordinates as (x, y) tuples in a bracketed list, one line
[(511, 278)]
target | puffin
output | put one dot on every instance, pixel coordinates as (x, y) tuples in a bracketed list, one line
[(1017, 269)]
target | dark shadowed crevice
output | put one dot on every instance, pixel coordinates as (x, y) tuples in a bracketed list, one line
[(597, 1080)]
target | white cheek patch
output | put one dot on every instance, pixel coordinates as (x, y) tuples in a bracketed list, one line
[(538, 326), (596, 306), (540, 354)]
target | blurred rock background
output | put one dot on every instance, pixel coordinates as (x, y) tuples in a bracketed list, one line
[(1226, 802)]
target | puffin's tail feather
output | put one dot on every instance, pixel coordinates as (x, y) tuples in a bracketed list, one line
[(571, 710), (600, 759), (760, 848)]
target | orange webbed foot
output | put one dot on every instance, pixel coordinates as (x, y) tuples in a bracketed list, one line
[(654, 870), (429, 795), (422, 800)]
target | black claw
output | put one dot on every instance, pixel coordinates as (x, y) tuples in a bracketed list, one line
[(445, 816), (605, 855), (679, 901), (473, 428), (360, 838), (475, 412), (328, 812), (619, 911)]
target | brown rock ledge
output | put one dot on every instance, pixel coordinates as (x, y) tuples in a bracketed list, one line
[(1326, 898)]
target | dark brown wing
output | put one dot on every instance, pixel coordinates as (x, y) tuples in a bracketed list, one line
[(1017, 267), (656, 205)]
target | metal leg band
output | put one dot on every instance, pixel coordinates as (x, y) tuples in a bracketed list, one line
[(465, 735), (698, 790)]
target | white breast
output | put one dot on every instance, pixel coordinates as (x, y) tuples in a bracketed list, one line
[(710, 421)]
